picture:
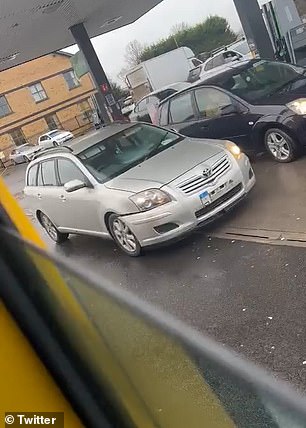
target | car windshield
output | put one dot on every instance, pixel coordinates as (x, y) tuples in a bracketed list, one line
[(54, 133), (263, 79), (125, 150), (22, 148)]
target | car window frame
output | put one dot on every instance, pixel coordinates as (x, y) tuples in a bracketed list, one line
[(191, 92)]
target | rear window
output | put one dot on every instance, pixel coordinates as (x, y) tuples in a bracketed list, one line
[(243, 48), (32, 174), (181, 108)]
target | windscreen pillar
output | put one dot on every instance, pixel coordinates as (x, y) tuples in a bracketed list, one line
[(105, 98), (254, 27)]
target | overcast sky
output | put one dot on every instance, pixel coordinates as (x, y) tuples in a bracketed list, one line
[(111, 47)]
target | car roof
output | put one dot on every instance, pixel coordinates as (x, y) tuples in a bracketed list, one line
[(214, 76), (164, 88)]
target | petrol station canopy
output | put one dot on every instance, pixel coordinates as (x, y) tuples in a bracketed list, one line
[(32, 28)]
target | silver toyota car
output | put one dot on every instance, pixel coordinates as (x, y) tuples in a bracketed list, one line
[(139, 184)]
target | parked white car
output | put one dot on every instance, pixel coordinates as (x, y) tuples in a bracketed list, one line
[(128, 106), (23, 153), (139, 184), (54, 138)]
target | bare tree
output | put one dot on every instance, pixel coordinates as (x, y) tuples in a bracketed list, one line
[(133, 53), (178, 28)]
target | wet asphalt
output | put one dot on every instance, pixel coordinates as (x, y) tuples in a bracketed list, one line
[(248, 296)]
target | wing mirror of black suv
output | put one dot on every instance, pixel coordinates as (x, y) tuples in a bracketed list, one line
[(229, 109), (74, 185)]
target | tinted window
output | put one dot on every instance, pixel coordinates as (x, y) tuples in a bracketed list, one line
[(181, 108), (211, 102), (163, 114), (48, 173), (68, 171), (165, 94), (32, 175)]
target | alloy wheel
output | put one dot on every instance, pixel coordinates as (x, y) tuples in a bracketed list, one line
[(124, 236), (278, 146), (49, 227)]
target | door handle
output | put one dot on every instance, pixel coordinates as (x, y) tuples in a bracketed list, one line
[(39, 195), (204, 126), (63, 197)]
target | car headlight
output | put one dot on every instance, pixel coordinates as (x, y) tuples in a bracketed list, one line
[(233, 148), (298, 106), (150, 199)]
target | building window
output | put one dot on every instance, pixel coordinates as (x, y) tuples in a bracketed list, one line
[(4, 107), (18, 137), (38, 92), (52, 122), (71, 79), (85, 110)]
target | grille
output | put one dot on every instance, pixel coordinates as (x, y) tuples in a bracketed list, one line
[(229, 195), (198, 182)]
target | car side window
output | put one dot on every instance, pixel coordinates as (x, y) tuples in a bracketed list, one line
[(218, 60), (209, 65), (32, 175), (181, 108), (212, 102), (163, 114), (48, 173), (68, 171)]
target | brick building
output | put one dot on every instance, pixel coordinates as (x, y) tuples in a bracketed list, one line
[(40, 95)]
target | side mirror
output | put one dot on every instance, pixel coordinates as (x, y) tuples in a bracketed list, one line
[(74, 185), (229, 109)]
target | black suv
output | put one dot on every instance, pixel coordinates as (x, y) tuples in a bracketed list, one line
[(255, 103)]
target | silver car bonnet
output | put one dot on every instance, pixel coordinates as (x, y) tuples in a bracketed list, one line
[(166, 166)]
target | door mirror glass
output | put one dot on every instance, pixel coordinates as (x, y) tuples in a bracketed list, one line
[(229, 109), (74, 185)]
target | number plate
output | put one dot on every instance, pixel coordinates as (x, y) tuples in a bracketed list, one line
[(205, 198)]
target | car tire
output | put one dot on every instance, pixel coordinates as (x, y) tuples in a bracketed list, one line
[(51, 229), (123, 236), (280, 145)]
